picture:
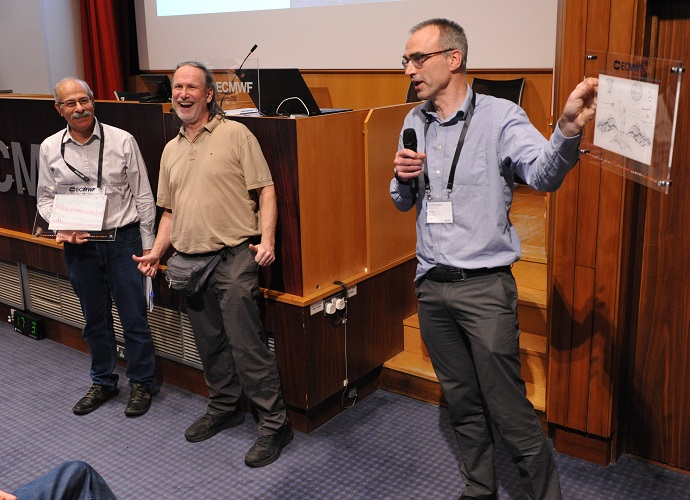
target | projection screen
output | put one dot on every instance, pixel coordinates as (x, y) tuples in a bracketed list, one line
[(339, 34)]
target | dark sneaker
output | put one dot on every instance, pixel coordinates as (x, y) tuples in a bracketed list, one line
[(139, 400), (95, 397), (209, 425), (267, 449)]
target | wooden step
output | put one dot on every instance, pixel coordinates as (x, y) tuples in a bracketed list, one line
[(413, 364), (529, 342), (531, 282), (402, 373), (528, 214), (411, 373), (532, 319)]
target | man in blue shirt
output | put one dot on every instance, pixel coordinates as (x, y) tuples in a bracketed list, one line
[(461, 184)]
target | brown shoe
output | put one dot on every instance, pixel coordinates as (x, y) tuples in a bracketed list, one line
[(139, 400), (97, 395)]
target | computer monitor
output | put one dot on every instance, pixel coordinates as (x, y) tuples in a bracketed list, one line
[(159, 87), (282, 91)]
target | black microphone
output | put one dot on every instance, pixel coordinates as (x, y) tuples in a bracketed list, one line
[(235, 77), (410, 142), (245, 59)]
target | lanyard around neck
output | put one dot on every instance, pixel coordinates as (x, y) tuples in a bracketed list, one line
[(458, 149), (100, 158)]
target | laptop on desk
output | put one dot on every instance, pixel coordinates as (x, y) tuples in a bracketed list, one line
[(282, 92)]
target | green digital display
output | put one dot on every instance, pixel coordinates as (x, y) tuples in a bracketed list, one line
[(29, 325)]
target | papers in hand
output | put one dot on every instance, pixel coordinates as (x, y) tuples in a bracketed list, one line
[(78, 212)]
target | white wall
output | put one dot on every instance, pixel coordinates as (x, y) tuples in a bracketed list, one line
[(501, 33), (40, 43)]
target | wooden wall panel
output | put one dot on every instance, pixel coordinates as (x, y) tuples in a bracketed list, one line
[(332, 198), (602, 419), (586, 227), (315, 355), (26, 249), (660, 406), (279, 145), (361, 89), (639, 334), (536, 94), (562, 218), (286, 323), (392, 234), (623, 26), (582, 317), (605, 328), (581, 348)]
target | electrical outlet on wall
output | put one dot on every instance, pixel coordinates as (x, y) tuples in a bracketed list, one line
[(333, 304)]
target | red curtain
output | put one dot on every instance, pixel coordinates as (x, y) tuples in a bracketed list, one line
[(102, 66)]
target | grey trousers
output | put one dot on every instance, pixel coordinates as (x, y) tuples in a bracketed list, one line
[(471, 331), (231, 342)]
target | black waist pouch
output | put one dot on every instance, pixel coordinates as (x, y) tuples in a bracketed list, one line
[(187, 273)]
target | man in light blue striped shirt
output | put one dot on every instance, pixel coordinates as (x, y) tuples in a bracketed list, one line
[(457, 157)]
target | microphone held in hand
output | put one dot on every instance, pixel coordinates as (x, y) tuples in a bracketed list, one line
[(410, 142)]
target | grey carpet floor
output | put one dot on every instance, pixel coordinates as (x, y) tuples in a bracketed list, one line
[(384, 447)]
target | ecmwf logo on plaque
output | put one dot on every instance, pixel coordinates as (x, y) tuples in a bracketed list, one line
[(25, 175), (234, 87), (83, 190), (639, 68)]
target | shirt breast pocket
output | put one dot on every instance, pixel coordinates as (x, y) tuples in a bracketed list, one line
[(471, 169), (116, 196)]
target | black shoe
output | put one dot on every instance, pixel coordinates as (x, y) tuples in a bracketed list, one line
[(209, 425), (139, 400), (267, 449), (97, 395)]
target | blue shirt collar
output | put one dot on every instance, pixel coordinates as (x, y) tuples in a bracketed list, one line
[(430, 113)]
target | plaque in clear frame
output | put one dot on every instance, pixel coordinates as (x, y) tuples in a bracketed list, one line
[(76, 212), (634, 128)]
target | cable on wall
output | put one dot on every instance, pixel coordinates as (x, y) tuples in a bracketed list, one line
[(348, 393)]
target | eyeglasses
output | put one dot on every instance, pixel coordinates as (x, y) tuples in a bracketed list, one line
[(418, 59), (84, 101)]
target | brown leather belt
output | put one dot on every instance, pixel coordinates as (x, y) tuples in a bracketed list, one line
[(446, 274)]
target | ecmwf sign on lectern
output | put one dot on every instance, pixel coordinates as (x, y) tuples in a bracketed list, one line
[(637, 108)]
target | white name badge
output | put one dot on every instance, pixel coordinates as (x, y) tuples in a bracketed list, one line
[(439, 212)]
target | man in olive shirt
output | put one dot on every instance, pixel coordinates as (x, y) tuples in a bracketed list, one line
[(213, 180)]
